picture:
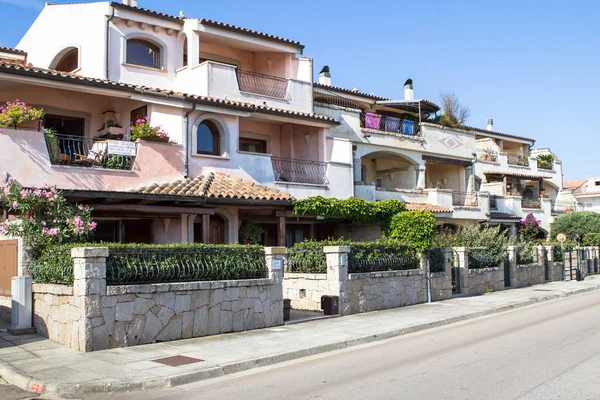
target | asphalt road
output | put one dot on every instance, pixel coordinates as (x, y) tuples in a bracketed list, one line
[(546, 351)]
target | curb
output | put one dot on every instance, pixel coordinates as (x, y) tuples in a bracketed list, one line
[(26, 382)]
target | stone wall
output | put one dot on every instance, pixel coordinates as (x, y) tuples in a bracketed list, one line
[(5, 308), (93, 316), (382, 290), (305, 290), (441, 286), (482, 280), (527, 275)]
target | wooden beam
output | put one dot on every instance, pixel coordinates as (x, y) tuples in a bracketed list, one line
[(205, 228), (154, 209), (281, 232)]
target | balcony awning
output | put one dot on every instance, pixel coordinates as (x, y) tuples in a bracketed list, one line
[(516, 175), (415, 105), (500, 216)]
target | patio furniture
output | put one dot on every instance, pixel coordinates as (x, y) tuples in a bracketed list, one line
[(95, 156)]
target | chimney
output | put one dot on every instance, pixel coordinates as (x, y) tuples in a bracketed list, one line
[(408, 90), (132, 3), (490, 125), (325, 76)]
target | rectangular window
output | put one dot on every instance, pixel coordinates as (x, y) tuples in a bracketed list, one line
[(597, 183), (70, 126), (253, 145), (138, 113)]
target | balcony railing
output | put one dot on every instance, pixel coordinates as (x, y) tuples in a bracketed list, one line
[(563, 207), (299, 171), (327, 97), (387, 124), (516, 159), (465, 199), (265, 85), (527, 202), (493, 202), (85, 152)]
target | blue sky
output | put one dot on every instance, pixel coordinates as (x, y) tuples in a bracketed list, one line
[(533, 66)]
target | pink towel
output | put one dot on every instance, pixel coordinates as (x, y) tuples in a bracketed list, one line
[(372, 121)]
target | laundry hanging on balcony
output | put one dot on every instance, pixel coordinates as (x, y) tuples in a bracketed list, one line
[(392, 124), (408, 127), (372, 121)]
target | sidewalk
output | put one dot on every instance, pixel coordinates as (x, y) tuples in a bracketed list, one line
[(40, 365)]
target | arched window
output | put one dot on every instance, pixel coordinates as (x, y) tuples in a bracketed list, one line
[(67, 60), (208, 138), (142, 52)]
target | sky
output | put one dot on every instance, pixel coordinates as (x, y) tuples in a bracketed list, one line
[(533, 66)]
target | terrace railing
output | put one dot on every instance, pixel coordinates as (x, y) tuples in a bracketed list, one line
[(519, 160), (299, 171), (465, 199), (527, 202), (266, 85), (563, 207), (324, 96), (387, 124), (85, 152)]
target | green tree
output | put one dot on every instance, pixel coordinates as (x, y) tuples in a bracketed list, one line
[(577, 223)]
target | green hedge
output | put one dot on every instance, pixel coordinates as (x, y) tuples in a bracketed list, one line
[(524, 253), (437, 261), (138, 263)]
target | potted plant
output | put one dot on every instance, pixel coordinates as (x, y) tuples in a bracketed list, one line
[(545, 161), (251, 233), (142, 130), (489, 155), (18, 114)]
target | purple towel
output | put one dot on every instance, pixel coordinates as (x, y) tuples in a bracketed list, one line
[(372, 121), (392, 124)]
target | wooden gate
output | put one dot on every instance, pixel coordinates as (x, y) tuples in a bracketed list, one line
[(9, 264)]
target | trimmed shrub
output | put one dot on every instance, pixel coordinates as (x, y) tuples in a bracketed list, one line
[(488, 244), (437, 260), (415, 229), (591, 239)]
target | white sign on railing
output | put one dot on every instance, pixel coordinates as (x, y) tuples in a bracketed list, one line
[(121, 148)]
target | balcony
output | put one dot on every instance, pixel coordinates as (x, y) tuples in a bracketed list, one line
[(90, 153), (299, 171), (226, 81), (545, 165), (389, 125), (518, 160), (465, 199), (527, 202)]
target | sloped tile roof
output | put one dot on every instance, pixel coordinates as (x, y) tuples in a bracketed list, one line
[(216, 186), (146, 11), (574, 184), (18, 69), (12, 50), (472, 128), (427, 207)]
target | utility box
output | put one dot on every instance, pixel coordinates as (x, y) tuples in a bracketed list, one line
[(287, 306), (330, 305), (22, 306)]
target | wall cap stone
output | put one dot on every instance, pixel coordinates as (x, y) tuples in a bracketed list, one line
[(274, 251), (336, 249), (184, 286), (89, 252)]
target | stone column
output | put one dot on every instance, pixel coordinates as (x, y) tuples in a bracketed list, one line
[(337, 275), (89, 272), (470, 179), (552, 267), (420, 176), (512, 259), (276, 259), (461, 260)]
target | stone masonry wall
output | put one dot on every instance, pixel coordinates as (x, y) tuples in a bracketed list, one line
[(481, 280), (5, 308), (90, 316), (305, 290), (441, 286), (527, 275), (382, 290)]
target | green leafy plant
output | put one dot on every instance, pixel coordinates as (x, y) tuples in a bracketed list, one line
[(545, 160), (488, 244), (576, 224), (251, 233), (117, 162), (142, 130), (591, 239), (529, 228), (45, 216), (13, 114), (355, 209), (414, 228), (52, 143), (489, 154)]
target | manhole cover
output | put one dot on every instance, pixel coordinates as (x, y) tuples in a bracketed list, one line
[(176, 361), (542, 290)]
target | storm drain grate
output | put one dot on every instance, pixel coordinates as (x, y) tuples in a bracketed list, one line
[(542, 290), (176, 361)]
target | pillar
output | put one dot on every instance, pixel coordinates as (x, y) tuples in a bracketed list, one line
[(461, 257), (512, 259), (205, 228), (89, 285), (337, 275), (356, 165), (554, 269), (276, 260), (184, 228), (470, 179), (420, 176), (281, 231)]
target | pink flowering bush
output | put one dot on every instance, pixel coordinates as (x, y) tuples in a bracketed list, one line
[(46, 217), (15, 113), (529, 228), (142, 130)]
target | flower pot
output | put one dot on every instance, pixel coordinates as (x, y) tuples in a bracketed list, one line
[(35, 124), (489, 158), (156, 139)]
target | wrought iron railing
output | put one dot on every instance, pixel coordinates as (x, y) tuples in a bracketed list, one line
[(84, 152), (299, 171), (437, 260), (493, 202), (307, 261), (324, 96), (387, 124), (265, 85), (563, 207), (516, 159), (155, 266), (381, 258), (527, 202), (465, 199)]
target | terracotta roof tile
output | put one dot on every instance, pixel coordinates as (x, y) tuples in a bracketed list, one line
[(427, 207), (12, 50), (216, 186), (587, 194), (471, 128), (574, 184), (83, 80)]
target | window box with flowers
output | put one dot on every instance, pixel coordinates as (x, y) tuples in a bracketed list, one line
[(17, 114), (142, 130)]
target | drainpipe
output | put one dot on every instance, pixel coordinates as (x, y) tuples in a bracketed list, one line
[(186, 125), (4, 210), (107, 42)]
